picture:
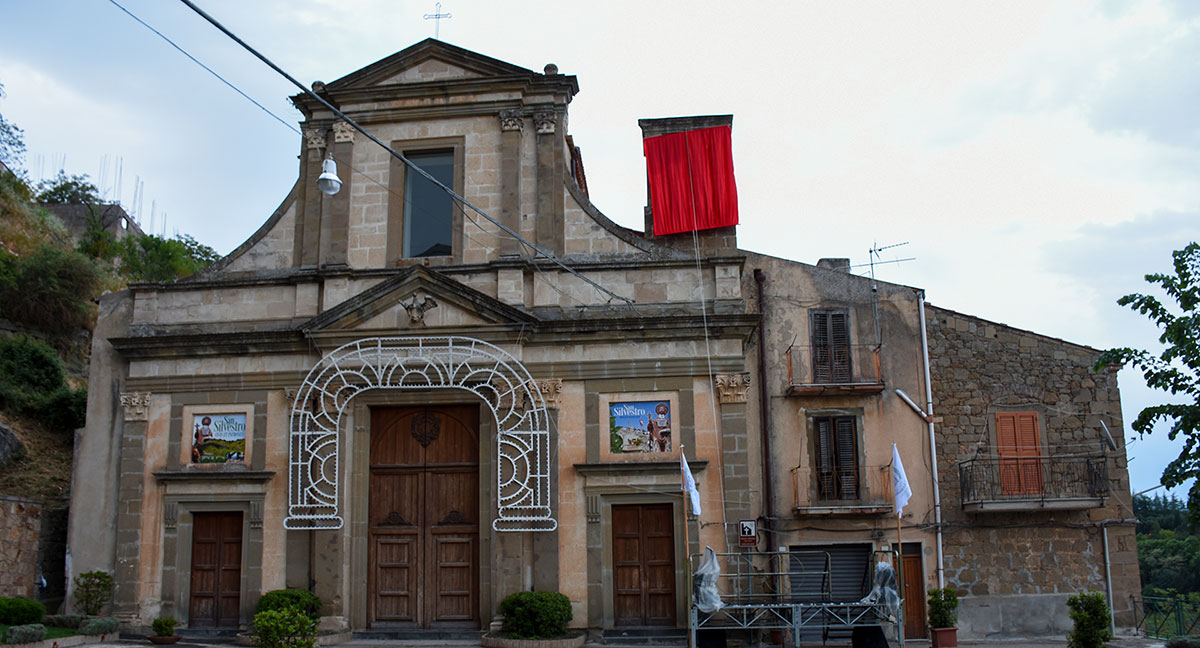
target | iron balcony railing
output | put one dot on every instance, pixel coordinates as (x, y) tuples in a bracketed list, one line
[(1047, 480), (865, 487), (844, 367)]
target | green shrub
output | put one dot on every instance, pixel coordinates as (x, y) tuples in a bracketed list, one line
[(99, 626), (163, 626), (535, 615), (27, 633), (92, 591), (942, 604), (1189, 641), (1093, 620), (49, 290), (286, 628), (20, 611), (72, 621), (65, 410), (302, 600), (29, 372)]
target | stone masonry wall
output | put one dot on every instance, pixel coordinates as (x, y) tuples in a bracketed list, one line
[(20, 522), (1015, 569)]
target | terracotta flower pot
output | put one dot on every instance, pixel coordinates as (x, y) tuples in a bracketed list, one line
[(163, 640), (943, 637)]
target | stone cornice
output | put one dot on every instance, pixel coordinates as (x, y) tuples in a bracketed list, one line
[(639, 467), (204, 344)]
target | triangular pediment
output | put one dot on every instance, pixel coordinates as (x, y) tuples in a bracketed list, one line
[(429, 60), (417, 300)]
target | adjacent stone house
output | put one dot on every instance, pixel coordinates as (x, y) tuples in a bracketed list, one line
[(414, 407)]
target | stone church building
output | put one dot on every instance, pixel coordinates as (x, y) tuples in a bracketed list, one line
[(413, 407)]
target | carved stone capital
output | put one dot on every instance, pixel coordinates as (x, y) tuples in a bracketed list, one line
[(289, 395), (512, 120), (136, 405), (732, 388), (314, 138), (170, 515), (544, 122), (593, 509), (256, 514), (551, 389), (343, 132)]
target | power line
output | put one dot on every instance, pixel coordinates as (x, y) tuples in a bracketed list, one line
[(397, 154), (210, 70)]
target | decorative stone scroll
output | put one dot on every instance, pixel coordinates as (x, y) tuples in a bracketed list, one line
[(732, 388), (314, 138), (551, 389), (343, 132), (544, 122), (512, 120), (136, 406), (424, 363)]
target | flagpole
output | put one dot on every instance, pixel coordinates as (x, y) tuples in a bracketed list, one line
[(687, 545)]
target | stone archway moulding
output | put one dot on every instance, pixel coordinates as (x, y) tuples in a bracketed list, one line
[(522, 424)]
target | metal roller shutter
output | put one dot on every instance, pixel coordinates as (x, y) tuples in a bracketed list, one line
[(849, 575)]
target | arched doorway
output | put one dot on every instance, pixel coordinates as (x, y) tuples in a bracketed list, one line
[(522, 425)]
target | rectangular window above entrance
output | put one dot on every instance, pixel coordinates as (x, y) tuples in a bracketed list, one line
[(423, 220), (428, 209)]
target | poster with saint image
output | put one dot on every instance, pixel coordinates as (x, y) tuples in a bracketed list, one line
[(639, 427), (218, 438)]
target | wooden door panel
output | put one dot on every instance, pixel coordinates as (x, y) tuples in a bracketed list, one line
[(216, 574), (424, 515), (396, 563), (914, 596), (643, 565)]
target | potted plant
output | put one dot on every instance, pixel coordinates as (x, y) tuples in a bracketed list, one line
[(942, 631), (164, 630), (534, 620)]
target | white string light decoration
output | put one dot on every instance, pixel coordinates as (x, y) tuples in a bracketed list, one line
[(504, 385)]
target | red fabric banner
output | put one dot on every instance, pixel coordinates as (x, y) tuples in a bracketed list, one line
[(691, 180)]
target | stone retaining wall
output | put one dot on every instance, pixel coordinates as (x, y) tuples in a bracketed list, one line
[(20, 524)]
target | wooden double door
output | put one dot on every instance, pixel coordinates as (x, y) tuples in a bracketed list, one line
[(643, 565), (216, 575), (424, 517)]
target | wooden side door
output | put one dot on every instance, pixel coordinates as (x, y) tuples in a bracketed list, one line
[(423, 517), (1019, 450), (913, 583), (643, 565), (216, 576)]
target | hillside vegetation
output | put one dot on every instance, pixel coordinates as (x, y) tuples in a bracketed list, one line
[(49, 280)]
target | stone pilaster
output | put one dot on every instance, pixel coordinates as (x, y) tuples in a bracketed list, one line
[(550, 169), (136, 408), (512, 125)]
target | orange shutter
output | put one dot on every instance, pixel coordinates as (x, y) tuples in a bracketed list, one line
[(1006, 441), (1019, 452)]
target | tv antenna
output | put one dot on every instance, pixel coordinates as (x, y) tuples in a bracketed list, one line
[(874, 255)]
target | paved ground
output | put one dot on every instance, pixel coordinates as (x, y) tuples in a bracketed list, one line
[(1017, 642)]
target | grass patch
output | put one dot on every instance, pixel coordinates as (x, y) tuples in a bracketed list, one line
[(52, 632)]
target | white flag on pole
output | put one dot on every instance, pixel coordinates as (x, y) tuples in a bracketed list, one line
[(689, 483), (899, 481)]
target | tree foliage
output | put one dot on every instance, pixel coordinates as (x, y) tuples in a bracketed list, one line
[(12, 142), (153, 258), (68, 190), (1176, 369)]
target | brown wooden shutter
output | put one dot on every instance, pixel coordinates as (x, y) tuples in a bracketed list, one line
[(821, 360), (826, 467), (839, 343), (1019, 452), (830, 336), (847, 458)]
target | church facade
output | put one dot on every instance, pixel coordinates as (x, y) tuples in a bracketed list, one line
[(414, 406)]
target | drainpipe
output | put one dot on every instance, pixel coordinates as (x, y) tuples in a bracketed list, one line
[(764, 400), (1112, 616), (937, 495)]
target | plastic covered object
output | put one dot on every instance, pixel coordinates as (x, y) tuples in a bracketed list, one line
[(707, 598), (884, 592)]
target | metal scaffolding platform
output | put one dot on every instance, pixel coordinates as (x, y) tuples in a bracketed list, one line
[(785, 591)]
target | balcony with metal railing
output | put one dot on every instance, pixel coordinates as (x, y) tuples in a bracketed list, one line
[(850, 369), (866, 490), (1047, 482)]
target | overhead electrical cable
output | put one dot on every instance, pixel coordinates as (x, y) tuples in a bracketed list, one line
[(355, 125), (359, 172)]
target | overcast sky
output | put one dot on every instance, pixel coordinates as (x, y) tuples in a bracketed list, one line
[(1038, 157)]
